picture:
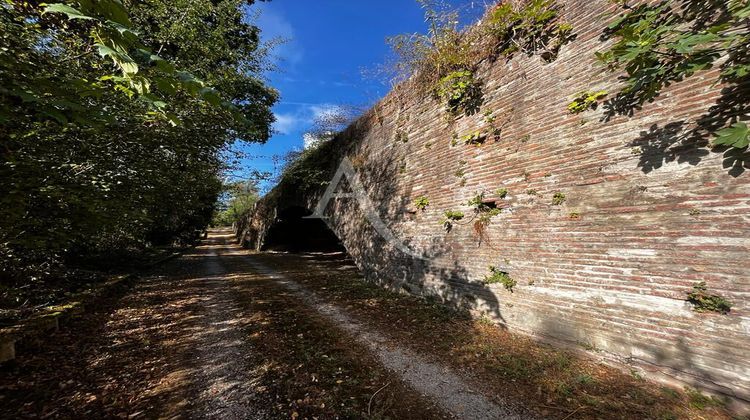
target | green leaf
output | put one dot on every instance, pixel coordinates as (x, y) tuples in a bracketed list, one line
[(162, 64), (126, 64), (738, 135), (211, 96), (113, 10), (67, 10)]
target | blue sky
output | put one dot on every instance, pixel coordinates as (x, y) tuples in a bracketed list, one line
[(329, 43)]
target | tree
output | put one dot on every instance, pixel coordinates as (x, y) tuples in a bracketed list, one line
[(238, 199), (114, 117)]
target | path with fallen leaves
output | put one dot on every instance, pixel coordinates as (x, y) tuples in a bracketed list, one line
[(214, 335), (224, 332)]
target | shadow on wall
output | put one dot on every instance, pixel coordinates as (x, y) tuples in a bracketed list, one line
[(677, 363), (680, 361), (687, 141), (386, 181)]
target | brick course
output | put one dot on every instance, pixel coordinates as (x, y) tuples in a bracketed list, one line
[(655, 215)]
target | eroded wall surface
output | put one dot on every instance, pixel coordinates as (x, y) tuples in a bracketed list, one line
[(649, 211)]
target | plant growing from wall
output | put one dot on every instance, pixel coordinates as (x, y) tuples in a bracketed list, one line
[(444, 61), (484, 212), (660, 43), (454, 139), (475, 138), (584, 101), (449, 217), (460, 92), (311, 168), (494, 129), (702, 301), (501, 192), (401, 137), (478, 204), (531, 28), (421, 203), (558, 198), (498, 276)]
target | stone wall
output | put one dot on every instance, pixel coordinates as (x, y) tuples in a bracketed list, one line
[(649, 211)]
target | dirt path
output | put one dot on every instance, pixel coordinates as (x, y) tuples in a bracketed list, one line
[(212, 335), (226, 333), (437, 382)]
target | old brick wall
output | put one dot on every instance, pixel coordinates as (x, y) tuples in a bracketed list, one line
[(649, 212)]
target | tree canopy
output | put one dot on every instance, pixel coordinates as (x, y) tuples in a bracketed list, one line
[(115, 116)]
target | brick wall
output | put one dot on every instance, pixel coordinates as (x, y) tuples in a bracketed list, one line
[(649, 212)]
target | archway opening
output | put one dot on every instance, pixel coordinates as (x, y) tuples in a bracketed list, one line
[(293, 232)]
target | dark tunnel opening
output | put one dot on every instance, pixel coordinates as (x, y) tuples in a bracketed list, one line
[(292, 232)]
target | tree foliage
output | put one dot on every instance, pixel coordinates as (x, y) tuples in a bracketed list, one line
[(114, 119), (661, 43), (236, 201)]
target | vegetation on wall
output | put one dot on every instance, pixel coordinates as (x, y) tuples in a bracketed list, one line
[(530, 27), (449, 217), (660, 43), (702, 301), (443, 62), (313, 167), (584, 101), (310, 168), (498, 276), (421, 202), (461, 92), (483, 212)]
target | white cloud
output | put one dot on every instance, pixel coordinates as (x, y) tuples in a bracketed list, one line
[(274, 27), (301, 118), (321, 110), (286, 123)]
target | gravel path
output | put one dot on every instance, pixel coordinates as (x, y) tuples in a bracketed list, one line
[(437, 382), (217, 334)]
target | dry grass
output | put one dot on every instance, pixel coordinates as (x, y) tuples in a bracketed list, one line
[(553, 382)]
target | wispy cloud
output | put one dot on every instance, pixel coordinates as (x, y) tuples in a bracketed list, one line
[(302, 117), (287, 123), (275, 27)]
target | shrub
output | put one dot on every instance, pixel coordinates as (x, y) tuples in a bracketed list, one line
[(530, 29), (421, 202), (444, 60), (584, 101), (450, 216), (461, 92), (704, 302), (498, 276)]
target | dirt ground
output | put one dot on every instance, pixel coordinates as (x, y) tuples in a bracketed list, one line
[(226, 333)]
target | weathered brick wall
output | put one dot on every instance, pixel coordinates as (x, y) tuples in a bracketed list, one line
[(657, 212)]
